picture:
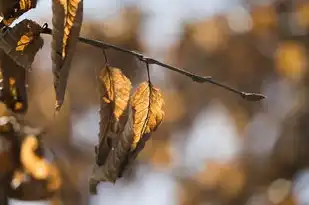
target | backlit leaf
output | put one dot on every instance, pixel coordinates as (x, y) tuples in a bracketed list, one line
[(36, 166), (115, 93), (22, 42), (118, 88), (10, 10), (14, 91), (117, 157), (67, 21), (147, 103), (19, 46)]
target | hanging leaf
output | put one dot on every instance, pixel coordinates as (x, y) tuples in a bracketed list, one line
[(112, 168), (115, 93), (36, 178), (22, 42), (20, 45), (14, 91), (116, 133), (145, 114), (147, 103), (38, 168), (67, 21), (10, 10), (105, 141), (117, 90)]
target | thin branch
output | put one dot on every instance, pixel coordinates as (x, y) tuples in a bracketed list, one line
[(105, 57), (147, 60)]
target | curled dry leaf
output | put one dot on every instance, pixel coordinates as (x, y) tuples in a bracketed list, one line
[(112, 169), (67, 21), (147, 103), (14, 91), (10, 10), (22, 42), (36, 166), (144, 116), (117, 87), (19, 46), (115, 93)]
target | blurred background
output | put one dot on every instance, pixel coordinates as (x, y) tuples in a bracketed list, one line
[(213, 148)]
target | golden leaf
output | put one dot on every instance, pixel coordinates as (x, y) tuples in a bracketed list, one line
[(118, 88), (67, 20), (14, 11), (26, 4), (36, 166), (24, 41), (114, 96), (117, 159), (147, 103), (70, 10)]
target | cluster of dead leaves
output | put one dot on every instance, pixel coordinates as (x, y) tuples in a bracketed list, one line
[(127, 121), (23, 161), (67, 21), (18, 47)]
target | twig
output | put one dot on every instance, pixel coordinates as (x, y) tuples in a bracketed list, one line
[(148, 73), (148, 60)]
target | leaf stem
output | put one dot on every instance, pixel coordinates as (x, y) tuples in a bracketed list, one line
[(195, 77)]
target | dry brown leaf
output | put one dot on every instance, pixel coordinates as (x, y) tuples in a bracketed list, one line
[(114, 93), (116, 158), (11, 11), (67, 20), (33, 164), (118, 88), (70, 10), (22, 42), (147, 103), (36, 166)]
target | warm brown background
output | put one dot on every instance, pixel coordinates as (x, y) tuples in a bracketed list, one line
[(213, 147)]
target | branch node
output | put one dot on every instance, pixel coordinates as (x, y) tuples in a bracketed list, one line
[(252, 96), (201, 79)]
